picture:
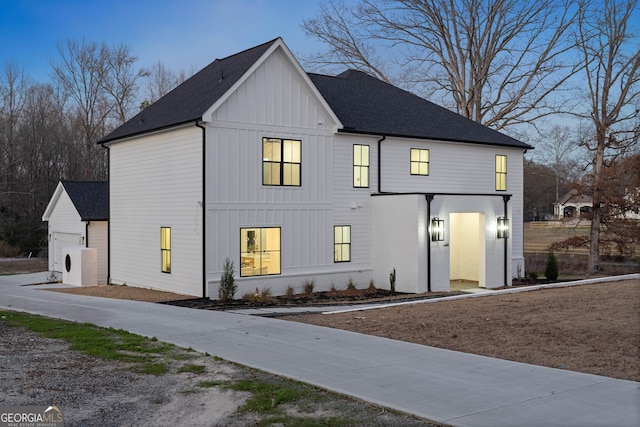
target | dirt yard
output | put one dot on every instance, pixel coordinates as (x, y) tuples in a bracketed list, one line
[(590, 328)]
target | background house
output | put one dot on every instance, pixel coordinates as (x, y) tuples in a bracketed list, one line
[(302, 177), (573, 205), (77, 215)]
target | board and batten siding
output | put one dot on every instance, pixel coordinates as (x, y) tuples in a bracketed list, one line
[(156, 181), (276, 101)]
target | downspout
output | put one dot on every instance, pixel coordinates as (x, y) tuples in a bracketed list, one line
[(429, 198), (506, 198), (204, 211), (380, 163)]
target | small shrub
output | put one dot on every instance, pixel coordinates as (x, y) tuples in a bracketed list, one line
[(372, 286), (309, 286), (392, 281), (228, 287), (259, 296), (351, 286), (290, 292), (551, 272), (532, 275)]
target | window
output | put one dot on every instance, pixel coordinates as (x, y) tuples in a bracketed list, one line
[(165, 249), (419, 161), (259, 251), (281, 162), (501, 173), (361, 166), (342, 243)]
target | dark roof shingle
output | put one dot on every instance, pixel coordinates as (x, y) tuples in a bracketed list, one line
[(368, 105), (189, 100), (363, 104), (90, 199)]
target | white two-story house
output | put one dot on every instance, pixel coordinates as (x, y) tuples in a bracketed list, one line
[(299, 177)]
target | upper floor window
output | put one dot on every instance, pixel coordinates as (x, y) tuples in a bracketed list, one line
[(501, 172), (165, 249), (419, 161), (342, 243), (281, 162), (259, 251), (361, 166)]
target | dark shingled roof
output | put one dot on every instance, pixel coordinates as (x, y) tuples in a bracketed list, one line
[(90, 199), (189, 101), (365, 104)]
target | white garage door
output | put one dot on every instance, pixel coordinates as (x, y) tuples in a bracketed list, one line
[(61, 240)]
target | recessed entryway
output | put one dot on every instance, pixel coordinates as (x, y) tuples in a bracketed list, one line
[(467, 248)]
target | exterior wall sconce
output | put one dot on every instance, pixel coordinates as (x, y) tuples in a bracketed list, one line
[(503, 227), (437, 230)]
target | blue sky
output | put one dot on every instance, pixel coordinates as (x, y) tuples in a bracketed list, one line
[(182, 34)]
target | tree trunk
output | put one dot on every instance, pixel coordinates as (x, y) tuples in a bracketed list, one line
[(596, 210)]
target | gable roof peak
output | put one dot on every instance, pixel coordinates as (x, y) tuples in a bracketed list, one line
[(188, 101)]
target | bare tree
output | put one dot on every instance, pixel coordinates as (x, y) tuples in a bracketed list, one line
[(83, 72), (122, 81), (612, 83), (160, 81), (498, 62), (556, 150)]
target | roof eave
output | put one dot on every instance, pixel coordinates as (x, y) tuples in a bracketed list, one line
[(149, 131), (429, 138)]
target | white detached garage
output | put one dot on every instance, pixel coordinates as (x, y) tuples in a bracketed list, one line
[(77, 216)]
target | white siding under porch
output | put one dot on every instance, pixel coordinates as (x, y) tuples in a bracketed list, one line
[(156, 181)]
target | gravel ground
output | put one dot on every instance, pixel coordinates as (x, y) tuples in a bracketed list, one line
[(90, 391)]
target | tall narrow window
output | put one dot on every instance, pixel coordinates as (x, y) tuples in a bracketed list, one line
[(419, 161), (281, 162), (165, 249), (501, 172), (259, 251), (342, 243), (361, 166)]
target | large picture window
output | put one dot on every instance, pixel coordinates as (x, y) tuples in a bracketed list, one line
[(419, 161), (259, 251), (361, 166), (342, 243), (281, 162), (165, 249), (501, 172)]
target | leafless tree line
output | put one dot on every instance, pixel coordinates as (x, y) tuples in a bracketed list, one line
[(48, 131)]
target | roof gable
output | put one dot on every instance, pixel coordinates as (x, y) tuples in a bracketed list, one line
[(90, 198), (191, 99), (365, 104)]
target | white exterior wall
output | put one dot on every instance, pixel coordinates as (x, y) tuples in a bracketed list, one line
[(454, 168), (156, 181), (275, 101), (65, 228), (98, 238)]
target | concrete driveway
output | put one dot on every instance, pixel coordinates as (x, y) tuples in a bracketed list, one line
[(445, 386)]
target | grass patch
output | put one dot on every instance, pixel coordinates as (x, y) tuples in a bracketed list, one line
[(194, 369), (159, 368), (91, 340)]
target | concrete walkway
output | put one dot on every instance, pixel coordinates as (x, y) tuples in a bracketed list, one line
[(441, 385)]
